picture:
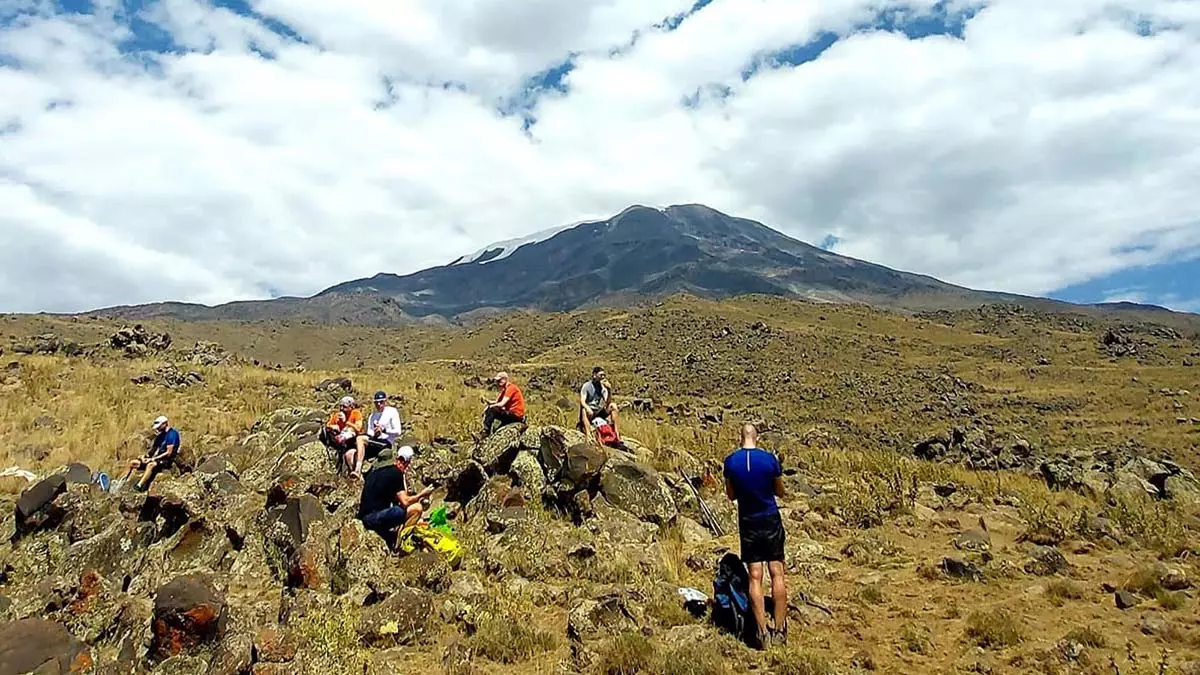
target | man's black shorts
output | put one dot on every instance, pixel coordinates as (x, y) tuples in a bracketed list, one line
[(374, 445), (762, 538)]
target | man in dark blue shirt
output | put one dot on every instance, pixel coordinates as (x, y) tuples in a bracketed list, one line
[(754, 478)]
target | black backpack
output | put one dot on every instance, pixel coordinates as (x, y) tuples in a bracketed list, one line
[(731, 598)]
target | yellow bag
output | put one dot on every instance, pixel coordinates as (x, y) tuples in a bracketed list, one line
[(430, 539)]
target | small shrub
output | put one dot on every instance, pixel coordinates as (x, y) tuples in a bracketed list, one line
[(995, 628), (792, 661), (1087, 636), (929, 571), (700, 659), (668, 610), (627, 654), (1144, 581), (333, 635), (1061, 590), (1171, 601), (871, 595), (508, 638), (915, 639)]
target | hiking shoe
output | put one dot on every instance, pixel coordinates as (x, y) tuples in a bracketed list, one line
[(764, 640), (779, 637)]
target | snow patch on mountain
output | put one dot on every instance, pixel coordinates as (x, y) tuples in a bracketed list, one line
[(508, 246)]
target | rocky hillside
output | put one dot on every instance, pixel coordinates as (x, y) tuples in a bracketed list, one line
[(251, 560), (996, 490)]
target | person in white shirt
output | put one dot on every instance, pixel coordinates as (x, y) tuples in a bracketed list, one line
[(382, 430)]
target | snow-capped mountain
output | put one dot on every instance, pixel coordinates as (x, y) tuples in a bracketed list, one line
[(645, 252), (502, 249), (640, 253)]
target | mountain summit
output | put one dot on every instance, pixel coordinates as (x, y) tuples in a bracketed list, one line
[(642, 252)]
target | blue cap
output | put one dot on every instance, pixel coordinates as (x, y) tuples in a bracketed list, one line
[(380, 396)]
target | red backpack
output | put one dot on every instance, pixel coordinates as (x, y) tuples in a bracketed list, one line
[(606, 434)]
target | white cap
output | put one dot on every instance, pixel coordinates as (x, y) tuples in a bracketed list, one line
[(347, 400), (159, 422), (405, 453)]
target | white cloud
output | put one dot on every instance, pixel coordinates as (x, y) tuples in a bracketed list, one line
[(1053, 145)]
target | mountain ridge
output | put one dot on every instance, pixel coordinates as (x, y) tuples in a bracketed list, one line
[(640, 254)]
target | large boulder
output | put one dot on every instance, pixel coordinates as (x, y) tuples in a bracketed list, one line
[(402, 619), (35, 507), (497, 494), (613, 612), (528, 473), (497, 451), (638, 489), (582, 465), (359, 562), (42, 647), (554, 446), (291, 549), (188, 612)]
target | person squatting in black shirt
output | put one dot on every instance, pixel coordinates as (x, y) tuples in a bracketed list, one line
[(386, 505)]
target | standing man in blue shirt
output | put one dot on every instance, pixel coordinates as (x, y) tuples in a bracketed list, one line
[(754, 478)]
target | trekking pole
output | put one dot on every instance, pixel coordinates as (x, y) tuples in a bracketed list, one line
[(710, 519)]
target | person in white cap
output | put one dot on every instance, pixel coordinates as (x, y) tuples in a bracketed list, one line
[(162, 453), (386, 504), (343, 427)]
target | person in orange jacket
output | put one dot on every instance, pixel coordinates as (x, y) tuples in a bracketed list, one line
[(343, 427)]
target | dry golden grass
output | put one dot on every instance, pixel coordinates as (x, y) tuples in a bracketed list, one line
[(994, 629)]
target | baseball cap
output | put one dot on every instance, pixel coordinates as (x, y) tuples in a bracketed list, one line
[(380, 396), (346, 400), (405, 453), (159, 422)]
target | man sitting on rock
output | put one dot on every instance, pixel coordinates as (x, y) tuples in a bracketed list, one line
[(386, 505), (341, 432), (162, 454), (595, 403), (383, 428), (754, 478), (508, 408)]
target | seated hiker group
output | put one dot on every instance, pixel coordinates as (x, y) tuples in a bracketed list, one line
[(388, 506)]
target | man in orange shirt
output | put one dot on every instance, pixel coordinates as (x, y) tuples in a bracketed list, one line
[(508, 408), (343, 427)]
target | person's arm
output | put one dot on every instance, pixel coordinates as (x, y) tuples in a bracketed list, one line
[(778, 479), (355, 421), (393, 425), (406, 501), (729, 490)]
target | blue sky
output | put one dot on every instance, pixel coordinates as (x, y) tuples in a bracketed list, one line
[(1044, 153)]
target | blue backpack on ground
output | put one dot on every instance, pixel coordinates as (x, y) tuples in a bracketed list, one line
[(731, 598)]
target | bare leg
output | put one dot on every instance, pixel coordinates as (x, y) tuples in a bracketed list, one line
[(779, 594), (757, 604), (348, 457), (145, 481), (356, 468), (612, 417), (585, 422), (414, 515)]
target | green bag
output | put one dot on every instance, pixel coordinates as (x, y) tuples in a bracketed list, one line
[(437, 520)]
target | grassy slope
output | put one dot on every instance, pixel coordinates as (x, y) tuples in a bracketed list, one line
[(869, 381)]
